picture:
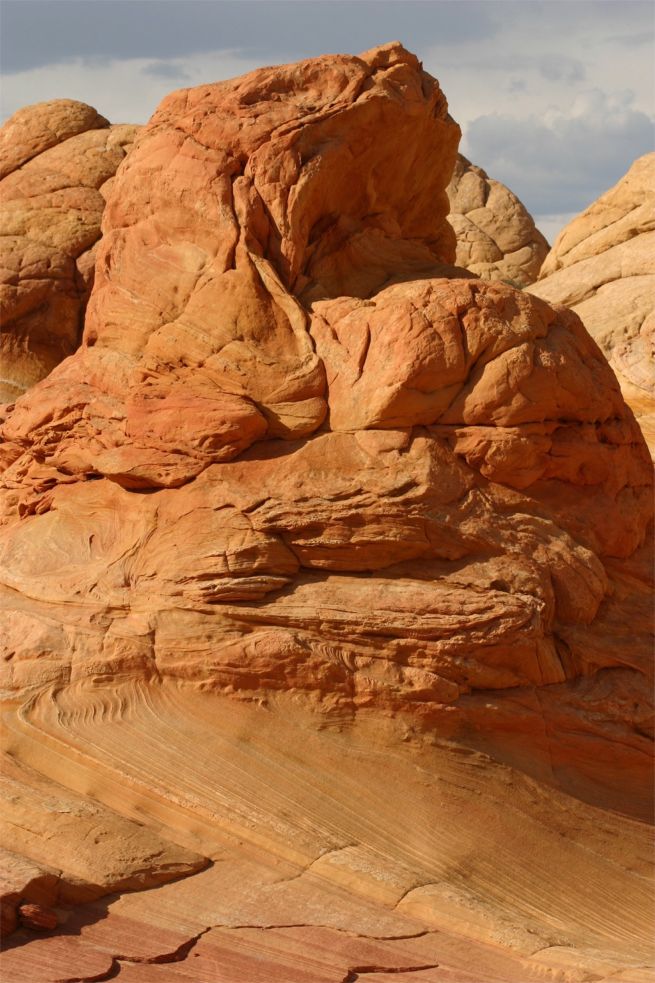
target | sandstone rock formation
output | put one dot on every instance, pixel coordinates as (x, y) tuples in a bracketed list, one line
[(603, 267), (337, 852), (325, 563), (57, 162), (496, 235)]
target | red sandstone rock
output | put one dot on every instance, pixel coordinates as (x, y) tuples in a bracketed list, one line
[(37, 918), (301, 461), (23, 880), (36, 128), (53, 959), (58, 161)]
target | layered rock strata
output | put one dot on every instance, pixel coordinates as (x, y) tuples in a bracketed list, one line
[(338, 852), (496, 235), (301, 462), (602, 267), (57, 162)]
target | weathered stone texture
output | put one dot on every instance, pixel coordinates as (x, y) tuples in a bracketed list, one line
[(496, 235), (57, 163)]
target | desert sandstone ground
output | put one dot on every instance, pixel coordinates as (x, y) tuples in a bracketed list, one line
[(325, 548)]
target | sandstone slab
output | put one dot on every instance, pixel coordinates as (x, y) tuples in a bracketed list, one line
[(96, 850), (313, 839), (54, 959)]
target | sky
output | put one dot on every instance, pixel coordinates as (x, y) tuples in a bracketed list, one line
[(555, 99)]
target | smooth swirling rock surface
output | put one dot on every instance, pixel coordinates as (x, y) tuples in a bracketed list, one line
[(326, 562), (602, 266), (57, 163), (496, 235)]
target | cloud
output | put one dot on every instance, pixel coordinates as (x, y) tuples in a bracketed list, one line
[(551, 65), (46, 32), (561, 68), (171, 70), (560, 162), (636, 40)]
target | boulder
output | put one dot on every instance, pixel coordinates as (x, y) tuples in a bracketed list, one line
[(602, 267), (316, 532), (59, 159), (496, 235)]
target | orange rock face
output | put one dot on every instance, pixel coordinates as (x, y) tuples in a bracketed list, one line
[(496, 235), (58, 161), (602, 267), (301, 462)]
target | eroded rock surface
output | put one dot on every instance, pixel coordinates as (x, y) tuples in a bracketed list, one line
[(334, 849), (602, 266), (57, 162), (496, 235), (302, 462)]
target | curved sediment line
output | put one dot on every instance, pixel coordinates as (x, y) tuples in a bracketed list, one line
[(241, 784)]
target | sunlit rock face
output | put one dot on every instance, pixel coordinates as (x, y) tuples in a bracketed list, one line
[(57, 162), (309, 498), (603, 267), (496, 235)]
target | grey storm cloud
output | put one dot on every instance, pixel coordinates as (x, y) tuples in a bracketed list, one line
[(41, 32), (166, 70), (636, 40), (562, 164), (561, 68)]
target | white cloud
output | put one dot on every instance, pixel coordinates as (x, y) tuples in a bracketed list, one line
[(481, 79)]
